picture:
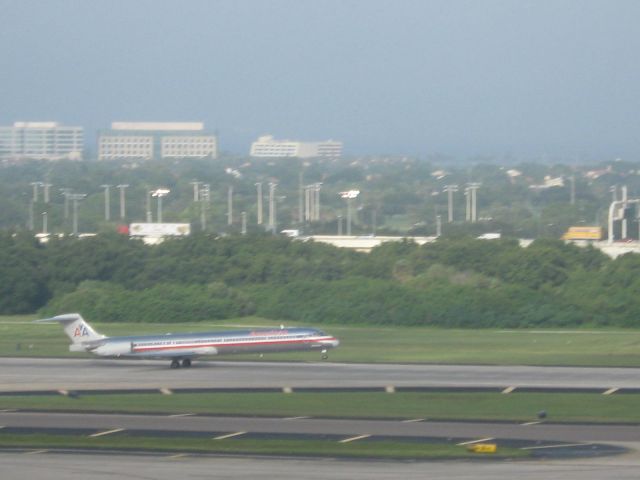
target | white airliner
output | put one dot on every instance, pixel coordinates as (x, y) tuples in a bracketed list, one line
[(181, 348)]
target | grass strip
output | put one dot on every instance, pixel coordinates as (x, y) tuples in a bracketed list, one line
[(565, 407), (315, 448)]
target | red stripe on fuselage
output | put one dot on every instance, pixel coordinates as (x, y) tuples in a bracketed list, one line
[(235, 344)]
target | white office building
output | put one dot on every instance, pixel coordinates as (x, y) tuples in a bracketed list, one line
[(148, 140), (40, 141), (267, 146)]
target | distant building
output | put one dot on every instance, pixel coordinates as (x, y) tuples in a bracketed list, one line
[(40, 141), (267, 146), (149, 140)]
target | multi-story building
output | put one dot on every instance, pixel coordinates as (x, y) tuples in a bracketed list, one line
[(267, 146), (148, 140), (40, 141)]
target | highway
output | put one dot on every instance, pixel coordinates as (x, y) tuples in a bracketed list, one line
[(18, 374)]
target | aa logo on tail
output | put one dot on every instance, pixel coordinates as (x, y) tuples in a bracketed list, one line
[(81, 331)]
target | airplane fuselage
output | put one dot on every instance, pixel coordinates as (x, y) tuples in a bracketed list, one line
[(212, 343)]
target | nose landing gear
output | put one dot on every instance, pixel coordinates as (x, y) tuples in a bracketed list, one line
[(324, 355)]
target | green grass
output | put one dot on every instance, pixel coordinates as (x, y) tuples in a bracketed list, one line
[(315, 448), (20, 337), (565, 407)]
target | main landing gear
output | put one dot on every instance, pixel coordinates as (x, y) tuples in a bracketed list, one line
[(186, 363)]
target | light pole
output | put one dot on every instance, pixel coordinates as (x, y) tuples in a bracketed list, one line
[(471, 192), (272, 207), (159, 193), (204, 200), (196, 190), (450, 189), (438, 225), (35, 186), (75, 197), (44, 223), (259, 194), (148, 198), (122, 199), (572, 198), (230, 205), (349, 195), (301, 193), (316, 202), (65, 192), (107, 206), (243, 215), (46, 187), (307, 203)]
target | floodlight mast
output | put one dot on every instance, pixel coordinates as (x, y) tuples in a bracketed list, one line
[(450, 189), (159, 193), (122, 187), (349, 195), (75, 197), (259, 206), (272, 207), (107, 206)]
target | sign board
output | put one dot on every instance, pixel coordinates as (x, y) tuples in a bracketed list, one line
[(159, 229)]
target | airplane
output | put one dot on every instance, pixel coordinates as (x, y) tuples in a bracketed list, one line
[(181, 348)]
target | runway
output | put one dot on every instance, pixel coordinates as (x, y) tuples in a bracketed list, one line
[(18, 374), (19, 466)]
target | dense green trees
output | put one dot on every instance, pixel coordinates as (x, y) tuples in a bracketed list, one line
[(456, 282)]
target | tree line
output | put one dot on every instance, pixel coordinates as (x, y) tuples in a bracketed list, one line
[(453, 282)]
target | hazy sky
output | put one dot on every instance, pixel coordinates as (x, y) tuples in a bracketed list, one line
[(554, 77)]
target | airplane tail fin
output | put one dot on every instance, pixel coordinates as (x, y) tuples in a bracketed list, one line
[(76, 328)]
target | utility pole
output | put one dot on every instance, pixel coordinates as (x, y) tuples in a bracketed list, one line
[(450, 189), (259, 195), (107, 206), (123, 212), (272, 207)]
